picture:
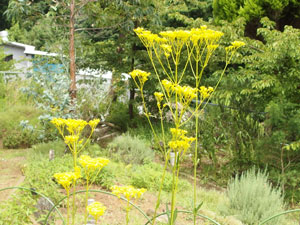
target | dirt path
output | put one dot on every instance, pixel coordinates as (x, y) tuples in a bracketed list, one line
[(11, 162)]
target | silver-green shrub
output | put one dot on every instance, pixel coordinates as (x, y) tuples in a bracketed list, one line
[(253, 199), (131, 149)]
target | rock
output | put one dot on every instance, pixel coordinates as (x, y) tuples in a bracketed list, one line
[(162, 219), (43, 207)]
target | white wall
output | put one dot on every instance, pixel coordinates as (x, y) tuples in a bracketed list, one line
[(23, 61)]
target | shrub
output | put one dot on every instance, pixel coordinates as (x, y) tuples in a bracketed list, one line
[(13, 135), (118, 115), (20, 138), (132, 149), (253, 199), (149, 176)]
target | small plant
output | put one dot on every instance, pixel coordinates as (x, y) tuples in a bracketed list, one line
[(252, 198), (96, 209), (129, 192), (132, 149)]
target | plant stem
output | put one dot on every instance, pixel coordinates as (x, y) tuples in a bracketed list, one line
[(86, 198), (160, 189), (127, 213), (68, 206), (174, 170)]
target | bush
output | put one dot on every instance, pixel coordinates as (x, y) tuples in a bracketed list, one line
[(13, 135), (132, 149), (149, 176), (253, 199), (20, 138), (118, 115)]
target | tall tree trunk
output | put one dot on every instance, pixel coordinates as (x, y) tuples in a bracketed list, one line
[(72, 53)]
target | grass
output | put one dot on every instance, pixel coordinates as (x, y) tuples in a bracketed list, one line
[(38, 175)]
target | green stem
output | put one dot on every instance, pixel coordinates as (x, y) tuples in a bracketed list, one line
[(68, 206), (86, 198), (196, 151), (160, 189), (127, 213), (74, 185), (174, 181)]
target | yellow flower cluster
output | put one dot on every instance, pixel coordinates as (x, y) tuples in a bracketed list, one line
[(96, 209), (128, 192), (141, 75), (92, 163), (180, 143), (93, 123), (186, 93), (159, 96), (197, 36), (71, 139), (205, 92), (73, 126), (67, 179), (167, 49), (235, 45)]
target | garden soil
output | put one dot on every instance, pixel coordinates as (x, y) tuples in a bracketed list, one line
[(11, 163)]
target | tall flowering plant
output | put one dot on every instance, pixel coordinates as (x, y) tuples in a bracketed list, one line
[(71, 132), (167, 48)]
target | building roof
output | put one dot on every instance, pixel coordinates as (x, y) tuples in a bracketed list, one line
[(28, 49)]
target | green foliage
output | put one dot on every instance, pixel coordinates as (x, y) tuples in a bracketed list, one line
[(108, 176), (131, 149), (176, 13), (16, 111), (13, 135), (249, 9), (149, 176), (20, 138), (17, 209), (39, 170), (259, 100), (225, 9), (118, 115), (252, 198)]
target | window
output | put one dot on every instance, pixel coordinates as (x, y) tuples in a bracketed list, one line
[(8, 58)]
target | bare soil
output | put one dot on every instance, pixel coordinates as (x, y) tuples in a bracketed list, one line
[(11, 163)]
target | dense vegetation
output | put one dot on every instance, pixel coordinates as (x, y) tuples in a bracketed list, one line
[(253, 118)]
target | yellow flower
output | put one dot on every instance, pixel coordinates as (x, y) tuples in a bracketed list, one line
[(167, 49), (94, 123), (75, 126), (235, 45), (96, 209), (167, 85), (128, 192), (205, 92), (176, 132), (58, 122), (92, 163), (159, 96), (66, 179), (180, 143), (238, 44), (71, 139), (141, 75)]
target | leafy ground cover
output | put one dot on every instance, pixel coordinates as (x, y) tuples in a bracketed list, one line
[(37, 168)]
